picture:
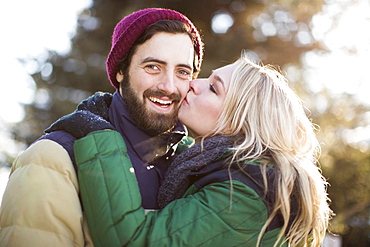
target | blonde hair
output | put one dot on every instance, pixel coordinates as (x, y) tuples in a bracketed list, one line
[(260, 105)]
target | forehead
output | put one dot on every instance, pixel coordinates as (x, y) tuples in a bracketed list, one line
[(168, 47), (224, 73)]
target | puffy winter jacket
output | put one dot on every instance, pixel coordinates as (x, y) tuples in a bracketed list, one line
[(208, 215), (41, 206)]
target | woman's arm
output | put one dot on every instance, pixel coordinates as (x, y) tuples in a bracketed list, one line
[(111, 199)]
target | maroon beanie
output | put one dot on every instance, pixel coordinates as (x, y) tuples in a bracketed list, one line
[(128, 30)]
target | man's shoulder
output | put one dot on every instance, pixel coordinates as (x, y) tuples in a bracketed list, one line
[(44, 153), (65, 139)]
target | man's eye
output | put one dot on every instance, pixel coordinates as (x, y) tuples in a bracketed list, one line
[(212, 88), (184, 74), (152, 66)]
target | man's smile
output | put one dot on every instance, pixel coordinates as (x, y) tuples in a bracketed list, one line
[(161, 104)]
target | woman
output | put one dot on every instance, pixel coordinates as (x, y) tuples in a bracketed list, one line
[(250, 179)]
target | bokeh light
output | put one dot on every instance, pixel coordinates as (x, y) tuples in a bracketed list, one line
[(221, 22)]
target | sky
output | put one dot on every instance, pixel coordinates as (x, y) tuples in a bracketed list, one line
[(32, 27), (28, 28), (342, 69), (345, 67)]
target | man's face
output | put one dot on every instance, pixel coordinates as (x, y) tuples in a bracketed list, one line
[(158, 80)]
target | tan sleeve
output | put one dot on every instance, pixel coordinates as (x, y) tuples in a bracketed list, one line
[(40, 206)]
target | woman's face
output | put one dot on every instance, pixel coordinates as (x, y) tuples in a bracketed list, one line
[(202, 106)]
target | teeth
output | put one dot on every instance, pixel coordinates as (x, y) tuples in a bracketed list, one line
[(163, 102)]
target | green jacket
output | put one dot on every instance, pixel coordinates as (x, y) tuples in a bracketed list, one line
[(208, 216)]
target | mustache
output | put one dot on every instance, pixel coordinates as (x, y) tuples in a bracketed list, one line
[(175, 97)]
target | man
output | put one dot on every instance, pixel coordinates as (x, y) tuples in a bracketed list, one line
[(154, 54)]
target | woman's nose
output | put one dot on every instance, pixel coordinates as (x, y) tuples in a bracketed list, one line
[(197, 85)]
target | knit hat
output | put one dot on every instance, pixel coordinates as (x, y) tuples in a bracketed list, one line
[(129, 29)]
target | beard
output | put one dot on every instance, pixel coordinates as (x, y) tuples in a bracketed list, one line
[(146, 119)]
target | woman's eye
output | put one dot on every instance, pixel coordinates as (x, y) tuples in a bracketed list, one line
[(212, 88)]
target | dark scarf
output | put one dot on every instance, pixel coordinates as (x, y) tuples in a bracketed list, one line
[(195, 158)]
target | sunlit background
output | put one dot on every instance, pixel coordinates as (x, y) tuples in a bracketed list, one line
[(31, 28), (26, 34)]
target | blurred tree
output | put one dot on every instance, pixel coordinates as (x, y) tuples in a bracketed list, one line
[(344, 162), (346, 165), (276, 32), (265, 29)]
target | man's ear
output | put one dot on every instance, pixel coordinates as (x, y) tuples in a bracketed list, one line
[(119, 76)]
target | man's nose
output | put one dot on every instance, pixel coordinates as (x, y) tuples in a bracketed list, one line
[(167, 84)]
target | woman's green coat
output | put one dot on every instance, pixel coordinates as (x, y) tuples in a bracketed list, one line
[(212, 215)]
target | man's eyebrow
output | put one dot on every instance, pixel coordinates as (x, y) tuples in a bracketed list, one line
[(185, 65), (152, 59)]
